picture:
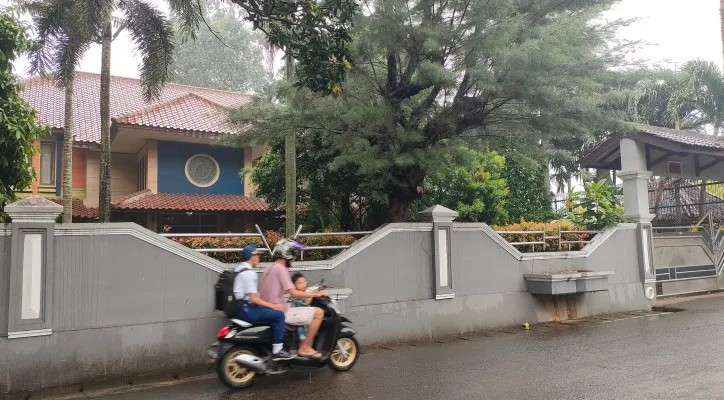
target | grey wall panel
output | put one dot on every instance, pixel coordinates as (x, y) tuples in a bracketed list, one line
[(618, 254), (480, 265), (396, 268), (680, 251), (414, 320), (123, 306), (116, 280), (4, 283)]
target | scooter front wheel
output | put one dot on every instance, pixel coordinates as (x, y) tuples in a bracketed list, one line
[(231, 373), (345, 354)]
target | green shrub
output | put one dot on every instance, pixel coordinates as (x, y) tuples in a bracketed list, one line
[(597, 207)]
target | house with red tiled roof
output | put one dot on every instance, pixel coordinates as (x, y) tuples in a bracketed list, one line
[(169, 167)]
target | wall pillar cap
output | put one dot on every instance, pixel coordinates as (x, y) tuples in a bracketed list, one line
[(437, 213), (34, 209), (641, 218), (631, 175)]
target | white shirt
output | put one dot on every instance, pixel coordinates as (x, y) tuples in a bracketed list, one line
[(245, 282)]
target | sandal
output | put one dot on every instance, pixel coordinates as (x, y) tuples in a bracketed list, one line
[(315, 356)]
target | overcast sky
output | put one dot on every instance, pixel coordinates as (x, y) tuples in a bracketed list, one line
[(676, 31)]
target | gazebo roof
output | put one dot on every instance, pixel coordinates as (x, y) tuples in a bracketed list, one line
[(607, 154)]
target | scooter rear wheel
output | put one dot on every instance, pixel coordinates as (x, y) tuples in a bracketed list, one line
[(344, 359), (231, 373)]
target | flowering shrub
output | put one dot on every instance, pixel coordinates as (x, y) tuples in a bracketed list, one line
[(551, 229), (272, 237)]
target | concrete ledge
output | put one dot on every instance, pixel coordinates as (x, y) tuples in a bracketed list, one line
[(567, 283)]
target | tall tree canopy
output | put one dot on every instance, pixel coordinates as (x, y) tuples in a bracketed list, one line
[(228, 56), (18, 128), (430, 74)]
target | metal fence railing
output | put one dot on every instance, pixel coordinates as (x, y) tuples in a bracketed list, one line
[(541, 241), (683, 202), (564, 239), (301, 236), (258, 234)]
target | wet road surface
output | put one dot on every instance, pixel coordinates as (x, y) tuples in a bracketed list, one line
[(674, 356)]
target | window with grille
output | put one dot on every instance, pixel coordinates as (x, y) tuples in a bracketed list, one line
[(47, 164)]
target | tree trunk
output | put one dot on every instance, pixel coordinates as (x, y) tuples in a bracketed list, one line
[(104, 185), (290, 167), (721, 23), (67, 195), (399, 209)]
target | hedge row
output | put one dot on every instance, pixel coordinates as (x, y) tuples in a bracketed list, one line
[(551, 229), (272, 237)]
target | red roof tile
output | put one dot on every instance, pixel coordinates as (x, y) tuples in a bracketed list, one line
[(178, 107), (190, 112), (190, 202), (80, 210)]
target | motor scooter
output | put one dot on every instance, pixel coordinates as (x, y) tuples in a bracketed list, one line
[(243, 350)]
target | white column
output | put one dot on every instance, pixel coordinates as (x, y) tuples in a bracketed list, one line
[(442, 231), (635, 177)]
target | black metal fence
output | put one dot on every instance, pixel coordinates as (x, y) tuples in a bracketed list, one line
[(683, 202)]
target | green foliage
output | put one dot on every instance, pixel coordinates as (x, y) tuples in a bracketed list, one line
[(597, 207), (472, 185), (701, 87), (529, 198), (552, 232), (315, 34), (18, 127), (428, 76), (229, 58), (331, 197)]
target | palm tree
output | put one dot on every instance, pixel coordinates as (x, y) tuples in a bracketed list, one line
[(702, 87), (290, 164), (59, 47), (66, 28), (153, 34)]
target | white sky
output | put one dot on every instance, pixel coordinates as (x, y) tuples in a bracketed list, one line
[(676, 31)]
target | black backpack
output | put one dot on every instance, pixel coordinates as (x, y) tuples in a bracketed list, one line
[(224, 299)]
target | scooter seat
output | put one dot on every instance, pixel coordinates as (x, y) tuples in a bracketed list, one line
[(244, 324), (240, 323)]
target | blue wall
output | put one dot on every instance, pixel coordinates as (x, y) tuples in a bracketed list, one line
[(172, 157)]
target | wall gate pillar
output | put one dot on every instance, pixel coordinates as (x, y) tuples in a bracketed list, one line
[(442, 229), (31, 266)]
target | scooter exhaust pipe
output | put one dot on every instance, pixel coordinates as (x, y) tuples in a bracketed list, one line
[(251, 362)]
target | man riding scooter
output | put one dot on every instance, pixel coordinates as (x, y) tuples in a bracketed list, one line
[(254, 308), (276, 282)]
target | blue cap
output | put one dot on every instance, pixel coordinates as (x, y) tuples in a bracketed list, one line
[(248, 252)]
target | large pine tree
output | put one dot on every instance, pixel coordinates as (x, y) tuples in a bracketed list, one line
[(430, 73)]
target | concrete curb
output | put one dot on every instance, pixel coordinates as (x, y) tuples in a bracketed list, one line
[(106, 388)]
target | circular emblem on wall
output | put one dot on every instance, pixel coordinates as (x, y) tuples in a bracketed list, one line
[(202, 170)]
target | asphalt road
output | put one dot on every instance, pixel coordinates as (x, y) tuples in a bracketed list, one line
[(675, 356)]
